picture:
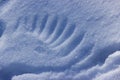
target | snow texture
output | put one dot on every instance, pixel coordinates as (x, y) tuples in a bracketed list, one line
[(59, 40)]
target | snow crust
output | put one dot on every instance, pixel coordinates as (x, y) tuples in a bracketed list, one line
[(59, 40)]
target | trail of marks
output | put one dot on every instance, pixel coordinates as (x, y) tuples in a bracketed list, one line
[(69, 29), (49, 27), (58, 30)]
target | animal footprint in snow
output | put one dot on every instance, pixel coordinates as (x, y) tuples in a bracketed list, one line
[(45, 33)]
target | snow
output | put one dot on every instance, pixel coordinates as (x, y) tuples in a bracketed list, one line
[(59, 40)]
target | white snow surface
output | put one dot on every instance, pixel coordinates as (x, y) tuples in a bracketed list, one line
[(59, 40)]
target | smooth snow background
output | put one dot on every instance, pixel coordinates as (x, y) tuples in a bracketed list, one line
[(89, 52)]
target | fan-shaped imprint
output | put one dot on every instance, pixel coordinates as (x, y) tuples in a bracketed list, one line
[(41, 35), (52, 31)]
